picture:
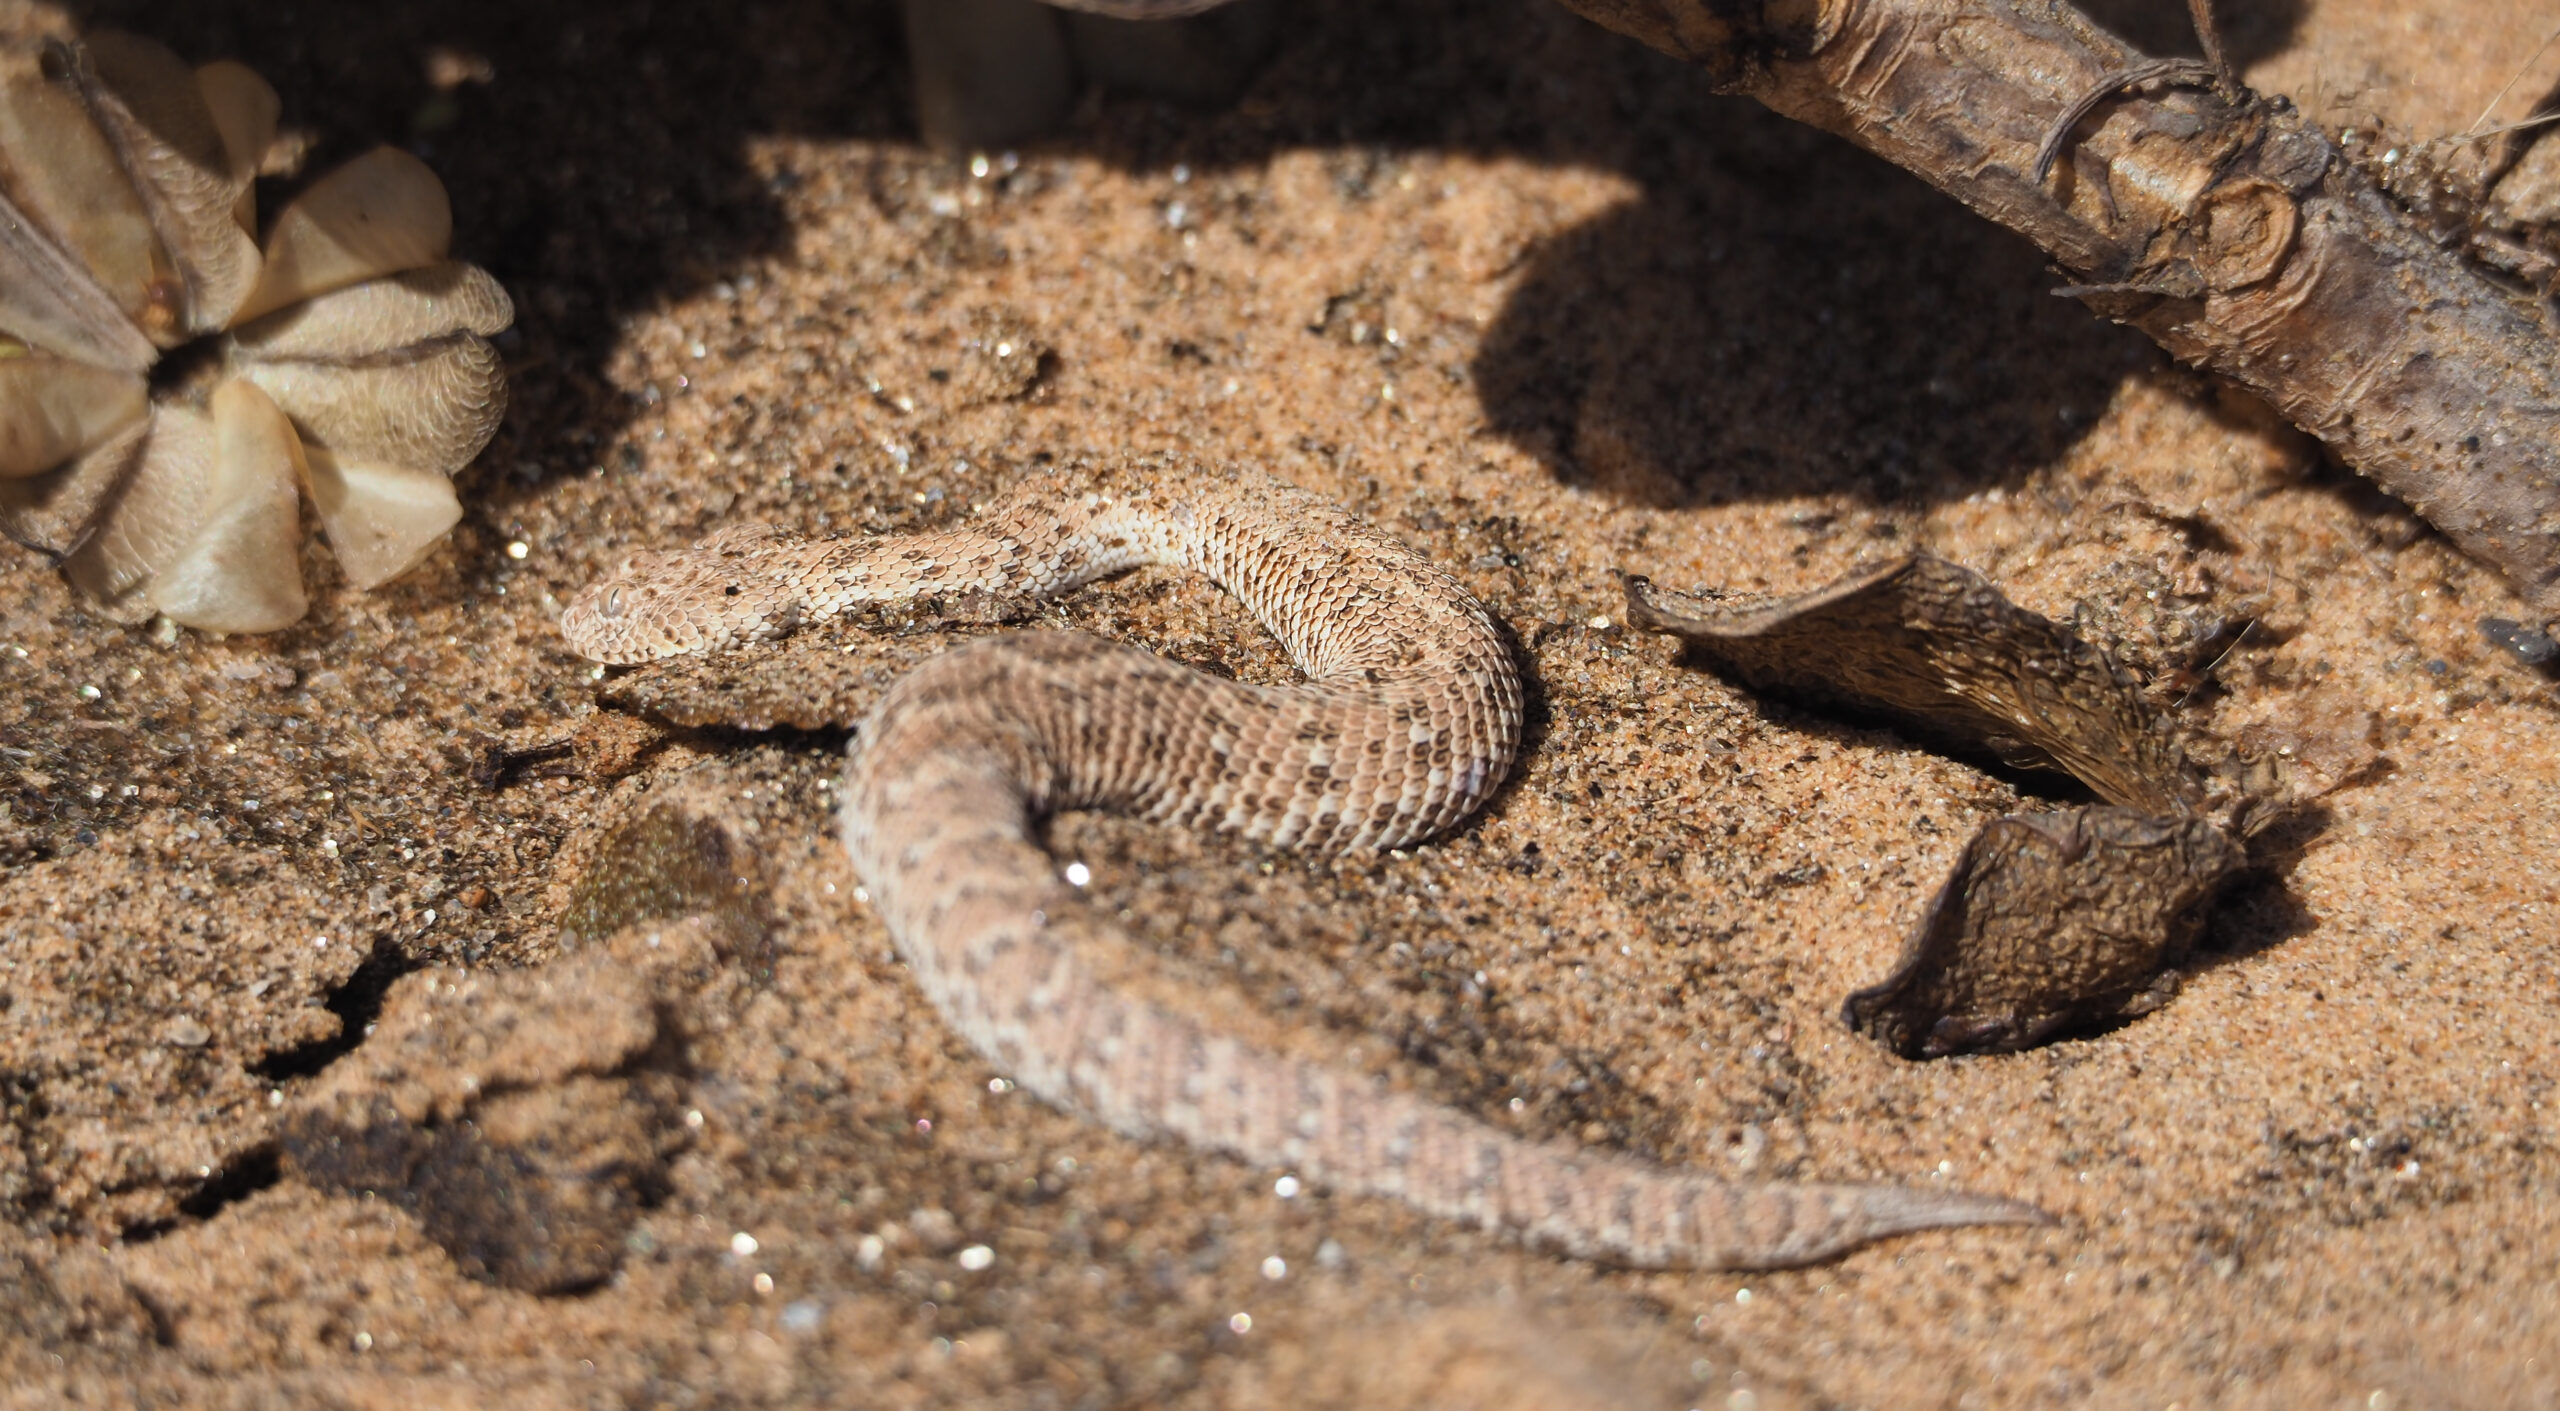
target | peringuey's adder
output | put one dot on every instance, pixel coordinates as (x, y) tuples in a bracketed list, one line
[(1408, 719)]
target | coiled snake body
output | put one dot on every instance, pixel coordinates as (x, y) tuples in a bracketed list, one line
[(1408, 719)]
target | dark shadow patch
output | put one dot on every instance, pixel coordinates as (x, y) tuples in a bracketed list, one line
[(2261, 911), (357, 1003), (535, 1190), (1783, 316), (1537, 720), (1778, 315), (524, 1119), (243, 1176), (2251, 29), (584, 210)]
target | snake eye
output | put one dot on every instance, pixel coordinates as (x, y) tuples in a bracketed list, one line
[(612, 606)]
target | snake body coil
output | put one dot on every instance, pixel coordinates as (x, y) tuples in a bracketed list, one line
[(1409, 718)]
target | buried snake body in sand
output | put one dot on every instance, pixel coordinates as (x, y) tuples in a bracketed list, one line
[(1409, 718)]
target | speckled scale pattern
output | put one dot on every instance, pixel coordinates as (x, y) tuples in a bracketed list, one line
[(1409, 718)]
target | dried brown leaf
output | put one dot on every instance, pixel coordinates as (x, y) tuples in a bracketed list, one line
[(1936, 648), (2052, 921)]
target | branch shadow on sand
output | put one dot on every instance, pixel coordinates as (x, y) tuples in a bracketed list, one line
[(1777, 315)]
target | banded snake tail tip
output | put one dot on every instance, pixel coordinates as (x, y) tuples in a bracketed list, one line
[(1409, 719)]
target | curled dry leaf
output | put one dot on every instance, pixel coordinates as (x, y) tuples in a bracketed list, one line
[(1941, 651), (2051, 922), (358, 368)]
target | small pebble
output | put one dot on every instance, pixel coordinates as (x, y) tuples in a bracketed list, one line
[(2531, 647)]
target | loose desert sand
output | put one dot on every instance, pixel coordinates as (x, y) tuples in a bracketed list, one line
[(383, 1024)]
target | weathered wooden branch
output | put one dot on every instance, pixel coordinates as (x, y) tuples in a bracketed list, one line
[(2219, 222)]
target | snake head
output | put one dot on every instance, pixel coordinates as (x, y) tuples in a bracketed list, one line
[(661, 603)]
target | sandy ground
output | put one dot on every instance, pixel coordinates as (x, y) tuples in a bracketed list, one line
[(349, 1059)]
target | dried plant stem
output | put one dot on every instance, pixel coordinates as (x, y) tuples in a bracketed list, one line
[(2220, 223)]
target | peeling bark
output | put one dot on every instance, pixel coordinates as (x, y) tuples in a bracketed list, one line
[(2215, 220)]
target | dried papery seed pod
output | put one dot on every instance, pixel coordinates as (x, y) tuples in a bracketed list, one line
[(380, 214), (242, 571), (51, 409), (366, 378), (148, 103), (66, 180)]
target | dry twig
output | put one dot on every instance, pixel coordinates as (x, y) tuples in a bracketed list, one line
[(2217, 221)]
